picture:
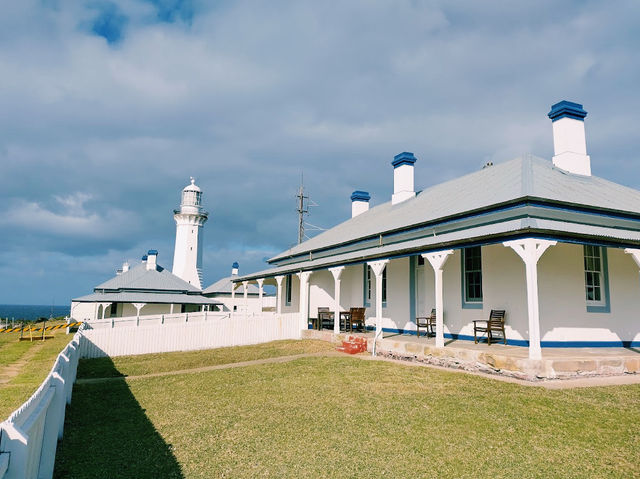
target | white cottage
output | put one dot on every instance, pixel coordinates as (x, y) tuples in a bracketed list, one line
[(243, 298), (146, 289), (555, 247)]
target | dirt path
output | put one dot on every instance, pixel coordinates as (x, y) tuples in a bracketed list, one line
[(547, 384), (242, 364), (12, 370)]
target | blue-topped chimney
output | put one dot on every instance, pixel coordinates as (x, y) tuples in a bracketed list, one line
[(234, 268), (152, 259), (359, 202), (403, 188), (569, 143)]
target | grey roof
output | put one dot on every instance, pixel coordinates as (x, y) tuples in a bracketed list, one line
[(223, 286), (452, 237), (145, 297), (139, 278), (528, 177)]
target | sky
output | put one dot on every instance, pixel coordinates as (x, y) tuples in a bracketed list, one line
[(108, 107)]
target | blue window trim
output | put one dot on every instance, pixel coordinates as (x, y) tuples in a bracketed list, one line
[(288, 290), (606, 308), (466, 304)]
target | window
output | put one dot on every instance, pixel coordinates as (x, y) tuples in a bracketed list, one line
[(368, 286), (472, 277), (384, 287), (596, 281), (288, 290)]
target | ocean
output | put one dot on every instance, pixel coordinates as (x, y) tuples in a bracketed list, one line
[(32, 312)]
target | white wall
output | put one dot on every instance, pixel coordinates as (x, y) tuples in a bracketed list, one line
[(563, 310)]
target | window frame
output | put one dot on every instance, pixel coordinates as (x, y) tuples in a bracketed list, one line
[(288, 289), (602, 305), (466, 302), (367, 288)]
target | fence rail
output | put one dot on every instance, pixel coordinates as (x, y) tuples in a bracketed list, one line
[(28, 438), (184, 332)]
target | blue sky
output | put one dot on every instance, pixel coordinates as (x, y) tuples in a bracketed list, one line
[(109, 107)]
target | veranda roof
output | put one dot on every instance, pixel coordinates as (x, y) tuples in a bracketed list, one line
[(503, 184), (525, 196)]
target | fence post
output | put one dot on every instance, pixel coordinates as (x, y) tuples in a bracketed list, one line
[(162, 322), (186, 317)]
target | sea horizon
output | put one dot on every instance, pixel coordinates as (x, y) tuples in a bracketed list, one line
[(32, 312)]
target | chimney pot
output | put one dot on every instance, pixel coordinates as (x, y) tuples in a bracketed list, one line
[(152, 257), (403, 187), (234, 268), (569, 143), (359, 202)]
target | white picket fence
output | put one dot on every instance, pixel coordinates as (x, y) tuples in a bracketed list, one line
[(28, 438), (185, 332)]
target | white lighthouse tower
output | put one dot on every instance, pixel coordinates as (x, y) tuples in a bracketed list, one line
[(190, 218)]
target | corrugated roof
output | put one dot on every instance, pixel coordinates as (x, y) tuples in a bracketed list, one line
[(138, 277), (145, 297), (470, 234), (529, 177), (223, 286)]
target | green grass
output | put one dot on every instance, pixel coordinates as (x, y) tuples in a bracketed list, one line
[(345, 417), (20, 387), (156, 363)]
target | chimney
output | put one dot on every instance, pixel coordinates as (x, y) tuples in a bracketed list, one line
[(403, 177), (152, 259), (234, 269), (569, 144), (125, 266), (359, 202)]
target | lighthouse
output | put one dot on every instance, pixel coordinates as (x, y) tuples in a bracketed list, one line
[(190, 218)]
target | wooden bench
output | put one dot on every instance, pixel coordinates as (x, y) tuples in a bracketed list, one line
[(427, 322), (495, 324)]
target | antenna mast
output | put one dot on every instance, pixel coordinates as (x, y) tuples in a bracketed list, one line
[(303, 209)]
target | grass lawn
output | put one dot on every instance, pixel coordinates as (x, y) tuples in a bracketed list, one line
[(156, 363), (343, 417), (35, 360)]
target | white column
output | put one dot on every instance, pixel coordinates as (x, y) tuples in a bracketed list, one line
[(437, 261), (138, 307), (260, 294), (245, 289), (304, 298), (378, 268), (279, 294), (530, 250), (337, 273)]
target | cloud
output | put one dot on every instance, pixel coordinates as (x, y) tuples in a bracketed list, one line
[(110, 106)]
